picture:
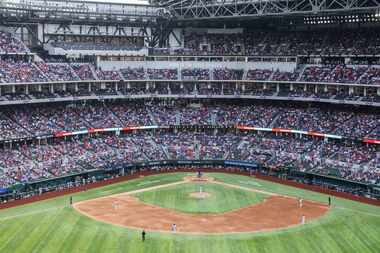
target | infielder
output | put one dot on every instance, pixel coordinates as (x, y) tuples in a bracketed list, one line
[(300, 202), (303, 220), (174, 228)]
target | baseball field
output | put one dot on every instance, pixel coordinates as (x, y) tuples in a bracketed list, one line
[(233, 213)]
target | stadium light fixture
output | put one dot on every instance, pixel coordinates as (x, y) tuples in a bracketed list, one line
[(377, 14)]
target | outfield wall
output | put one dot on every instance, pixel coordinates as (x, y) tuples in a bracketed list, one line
[(143, 173)]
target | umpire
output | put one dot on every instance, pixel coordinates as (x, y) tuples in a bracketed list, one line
[(143, 235)]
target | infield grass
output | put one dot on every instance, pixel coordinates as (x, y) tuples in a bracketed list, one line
[(52, 226), (222, 198)]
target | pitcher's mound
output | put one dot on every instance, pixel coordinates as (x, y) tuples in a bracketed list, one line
[(200, 195), (198, 179)]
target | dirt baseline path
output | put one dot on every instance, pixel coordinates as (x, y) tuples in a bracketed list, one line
[(273, 213)]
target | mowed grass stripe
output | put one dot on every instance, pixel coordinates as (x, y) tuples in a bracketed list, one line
[(45, 237), (123, 239), (366, 238), (48, 225), (10, 229), (30, 226), (342, 235), (323, 233), (109, 239), (74, 233), (18, 238), (64, 235), (99, 241), (11, 233)]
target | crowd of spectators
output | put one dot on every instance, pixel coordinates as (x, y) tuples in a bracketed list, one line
[(133, 114), (9, 129), (27, 163), (346, 74), (285, 76), (259, 74), (58, 71), (212, 44), (195, 74), (339, 42), (371, 76), (362, 41), (162, 74), (85, 71), (283, 43), (22, 71), (253, 115), (133, 73), (317, 73), (11, 45), (40, 121), (108, 74), (358, 124), (18, 71), (228, 74), (313, 119)]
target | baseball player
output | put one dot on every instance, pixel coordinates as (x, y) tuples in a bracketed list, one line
[(300, 202), (174, 228)]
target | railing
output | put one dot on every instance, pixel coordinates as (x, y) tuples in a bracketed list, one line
[(73, 7), (190, 96), (195, 81)]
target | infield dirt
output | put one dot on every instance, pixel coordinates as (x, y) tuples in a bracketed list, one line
[(274, 212)]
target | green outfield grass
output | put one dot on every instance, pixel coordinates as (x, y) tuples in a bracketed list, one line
[(52, 226), (221, 199)]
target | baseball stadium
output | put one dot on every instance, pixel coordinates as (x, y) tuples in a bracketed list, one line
[(190, 126)]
